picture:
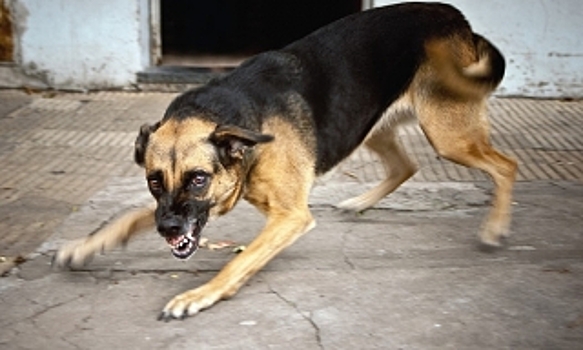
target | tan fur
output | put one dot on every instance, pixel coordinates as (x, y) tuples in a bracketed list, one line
[(458, 129), (457, 63), (180, 146), (384, 142), (279, 188)]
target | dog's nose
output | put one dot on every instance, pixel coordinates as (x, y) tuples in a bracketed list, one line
[(170, 227)]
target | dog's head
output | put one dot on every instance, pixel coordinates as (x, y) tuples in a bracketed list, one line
[(195, 170)]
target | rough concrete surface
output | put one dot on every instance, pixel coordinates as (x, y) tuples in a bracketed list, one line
[(408, 274)]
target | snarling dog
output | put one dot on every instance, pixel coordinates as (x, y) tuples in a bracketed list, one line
[(266, 130)]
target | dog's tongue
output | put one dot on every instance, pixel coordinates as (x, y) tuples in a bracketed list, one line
[(173, 241)]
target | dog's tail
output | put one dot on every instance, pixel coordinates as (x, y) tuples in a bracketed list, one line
[(469, 68)]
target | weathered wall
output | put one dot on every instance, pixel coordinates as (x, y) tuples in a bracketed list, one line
[(542, 41), (81, 44), (90, 44)]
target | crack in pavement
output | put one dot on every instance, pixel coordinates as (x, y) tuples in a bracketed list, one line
[(77, 329), (347, 260), (51, 307), (41, 312), (33, 319), (304, 315), (65, 340)]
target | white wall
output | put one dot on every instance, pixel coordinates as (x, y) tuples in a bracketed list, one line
[(82, 44), (542, 41), (94, 44)]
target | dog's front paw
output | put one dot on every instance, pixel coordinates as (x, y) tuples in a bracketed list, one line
[(188, 304), (73, 254)]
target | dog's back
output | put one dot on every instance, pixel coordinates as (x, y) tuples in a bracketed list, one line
[(341, 78), (364, 62)]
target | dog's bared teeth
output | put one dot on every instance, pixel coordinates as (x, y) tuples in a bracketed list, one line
[(183, 246), (190, 234)]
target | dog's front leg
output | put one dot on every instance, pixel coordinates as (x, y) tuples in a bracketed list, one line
[(77, 253), (281, 230)]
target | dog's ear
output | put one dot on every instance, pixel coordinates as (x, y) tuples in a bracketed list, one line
[(232, 141), (142, 142)]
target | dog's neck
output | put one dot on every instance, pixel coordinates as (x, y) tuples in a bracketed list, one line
[(247, 162)]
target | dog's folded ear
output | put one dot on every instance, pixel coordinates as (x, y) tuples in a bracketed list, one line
[(232, 141), (142, 142)]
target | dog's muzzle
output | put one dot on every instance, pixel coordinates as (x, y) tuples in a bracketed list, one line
[(183, 239)]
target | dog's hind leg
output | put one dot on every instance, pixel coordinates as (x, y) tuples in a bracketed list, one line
[(459, 131), (398, 168), (77, 253)]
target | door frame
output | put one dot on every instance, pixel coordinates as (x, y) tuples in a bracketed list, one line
[(156, 29)]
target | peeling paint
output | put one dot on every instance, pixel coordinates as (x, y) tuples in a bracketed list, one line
[(564, 54), (32, 70)]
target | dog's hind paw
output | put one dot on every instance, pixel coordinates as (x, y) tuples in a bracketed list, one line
[(492, 233), (356, 204)]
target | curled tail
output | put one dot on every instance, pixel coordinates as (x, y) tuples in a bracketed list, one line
[(468, 68)]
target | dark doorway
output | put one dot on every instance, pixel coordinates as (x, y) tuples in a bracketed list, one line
[(214, 33)]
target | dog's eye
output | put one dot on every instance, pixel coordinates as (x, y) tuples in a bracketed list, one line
[(155, 185), (199, 180)]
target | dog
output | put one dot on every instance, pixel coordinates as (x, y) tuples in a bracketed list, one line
[(266, 130)]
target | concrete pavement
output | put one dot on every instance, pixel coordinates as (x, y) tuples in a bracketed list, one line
[(408, 274)]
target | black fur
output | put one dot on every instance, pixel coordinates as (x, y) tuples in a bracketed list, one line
[(339, 79), (233, 142), (142, 141)]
